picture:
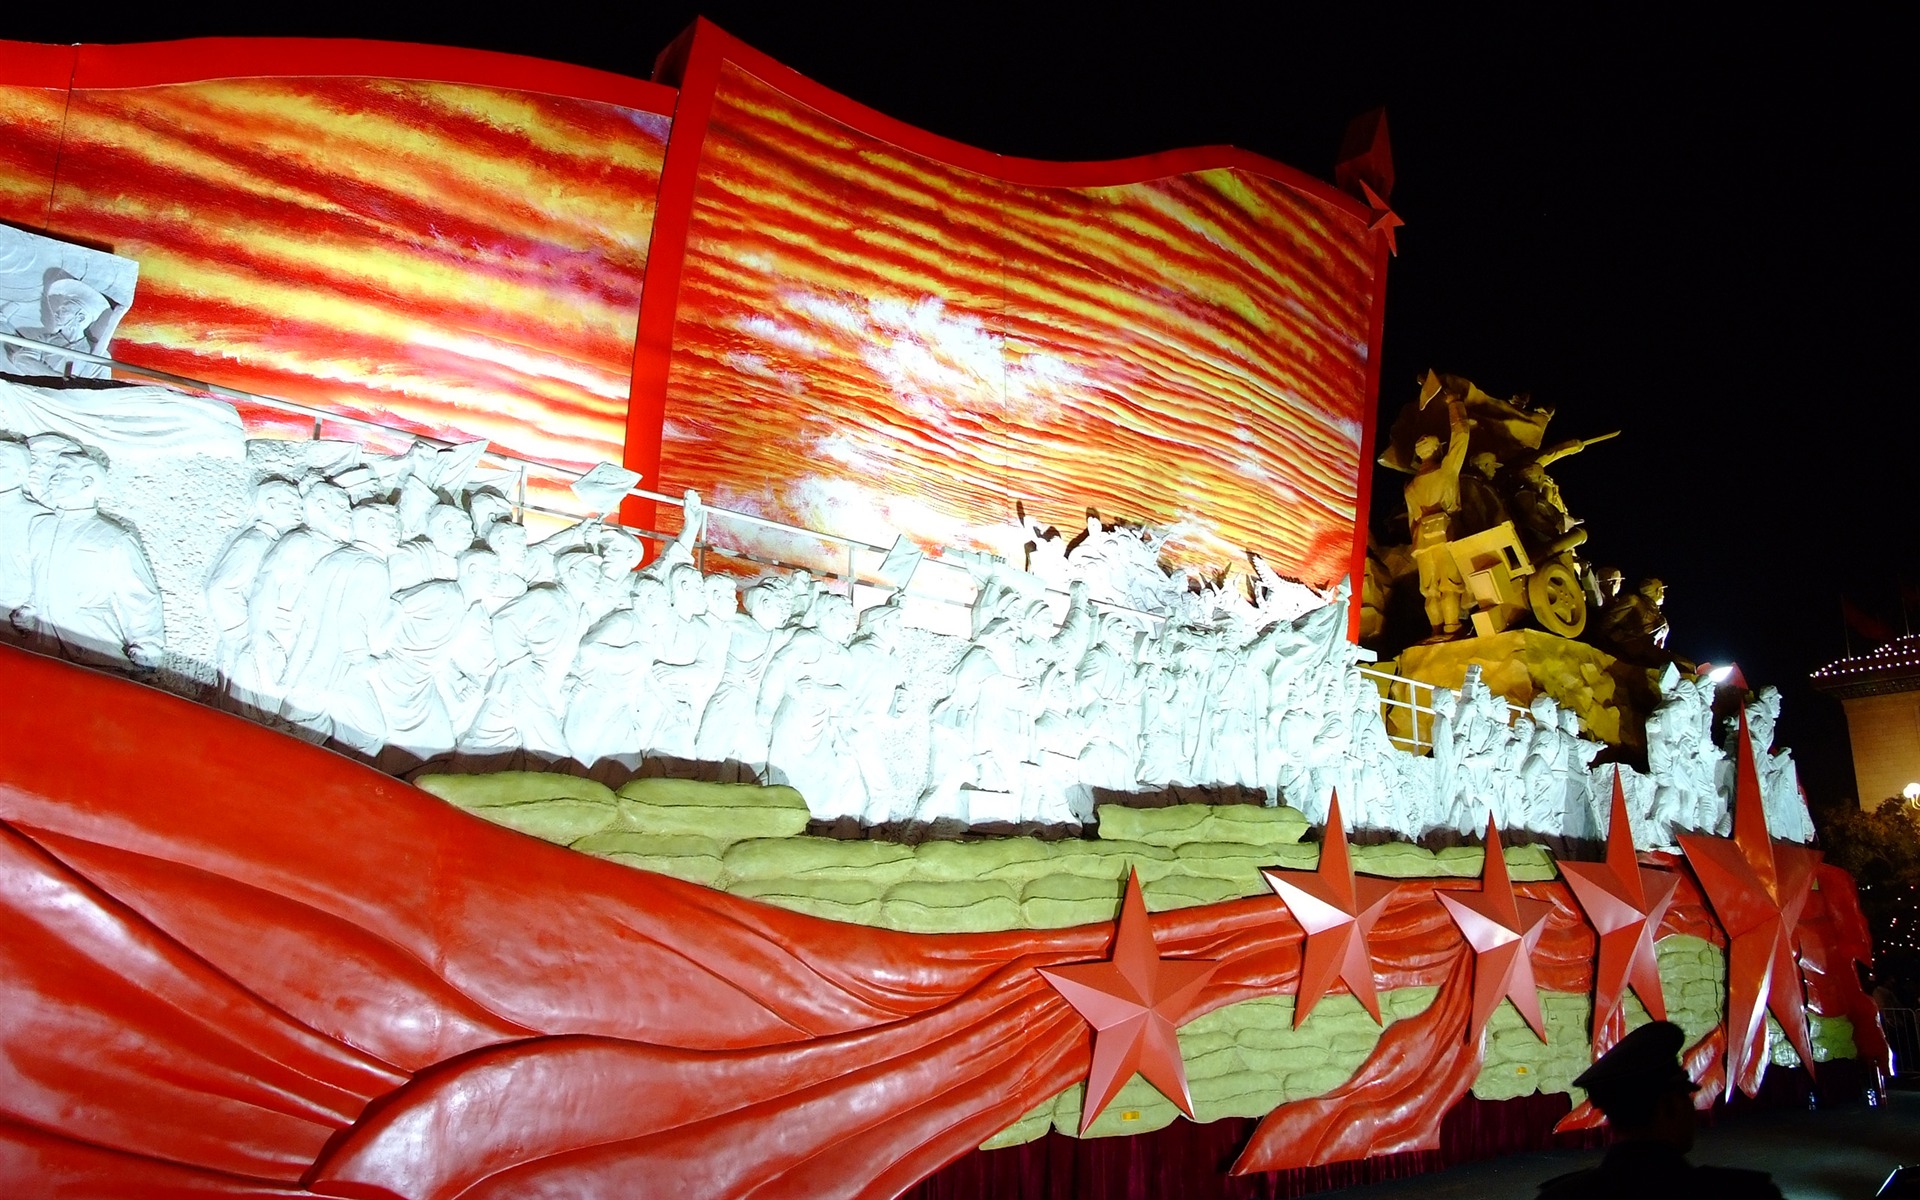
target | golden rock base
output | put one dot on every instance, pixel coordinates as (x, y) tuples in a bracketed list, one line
[(1611, 697)]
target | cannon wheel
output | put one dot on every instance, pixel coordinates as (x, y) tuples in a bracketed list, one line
[(1558, 601)]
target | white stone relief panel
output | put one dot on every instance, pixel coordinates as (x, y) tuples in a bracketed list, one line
[(63, 295), (393, 607)]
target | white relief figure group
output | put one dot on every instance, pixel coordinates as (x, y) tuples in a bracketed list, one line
[(385, 608), (70, 576)]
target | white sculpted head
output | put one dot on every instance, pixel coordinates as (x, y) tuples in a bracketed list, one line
[(327, 510), (449, 529), (45, 450), (509, 540), (881, 626), (478, 574), (70, 306), (833, 617), (376, 528), (578, 573), (688, 592), (649, 601), (768, 604), (620, 552), (276, 504), (488, 506), (722, 599), (74, 482)]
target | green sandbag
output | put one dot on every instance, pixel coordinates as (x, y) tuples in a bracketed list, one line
[(704, 871), (880, 863), (1063, 901), (701, 794), (545, 804), (512, 787), (1404, 860), (1188, 891), (700, 856), (1254, 824), (1111, 860), (964, 862), (951, 907), (1178, 824)]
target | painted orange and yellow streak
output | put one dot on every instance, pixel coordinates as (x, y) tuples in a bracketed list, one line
[(463, 261), (870, 340)]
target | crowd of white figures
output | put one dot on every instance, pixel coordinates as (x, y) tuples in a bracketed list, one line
[(392, 611)]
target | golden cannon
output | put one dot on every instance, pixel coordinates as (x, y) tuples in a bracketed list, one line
[(1505, 584)]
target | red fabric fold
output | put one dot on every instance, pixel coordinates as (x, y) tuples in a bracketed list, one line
[(245, 958)]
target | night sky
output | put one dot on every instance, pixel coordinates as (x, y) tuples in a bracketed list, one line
[(1692, 232)]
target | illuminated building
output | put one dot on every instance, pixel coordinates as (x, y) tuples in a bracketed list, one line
[(1881, 693)]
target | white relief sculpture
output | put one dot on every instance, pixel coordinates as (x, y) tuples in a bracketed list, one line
[(342, 619), (260, 677), (805, 694), (472, 642), (230, 584), (92, 591), (519, 713), (1689, 774), (731, 731), (1780, 794), (18, 512), (470, 661), (63, 295), (886, 734), (446, 532), (615, 711), (426, 620)]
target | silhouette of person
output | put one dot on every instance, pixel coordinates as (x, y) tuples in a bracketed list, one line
[(1648, 1100)]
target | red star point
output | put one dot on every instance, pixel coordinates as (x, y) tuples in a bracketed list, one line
[(1624, 902), (1338, 912), (1134, 1002), (1503, 930), (1758, 888), (1385, 220)]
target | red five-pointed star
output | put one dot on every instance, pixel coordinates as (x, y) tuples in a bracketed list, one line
[(1338, 912), (1758, 888), (1503, 931), (1385, 220), (1134, 1003), (1625, 902)]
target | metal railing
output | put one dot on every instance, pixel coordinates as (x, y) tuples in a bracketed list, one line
[(1409, 717), (1902, 1027)]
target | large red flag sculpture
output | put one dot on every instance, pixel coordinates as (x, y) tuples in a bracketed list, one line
[(1338, 911), (1134, 1001), (1758, 888), (236, 964), (1625, 903), (1504, 931)]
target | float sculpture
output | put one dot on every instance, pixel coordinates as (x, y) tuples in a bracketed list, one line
[(389, 806)]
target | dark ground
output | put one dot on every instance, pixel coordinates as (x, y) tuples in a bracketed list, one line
[(1839, 1153)]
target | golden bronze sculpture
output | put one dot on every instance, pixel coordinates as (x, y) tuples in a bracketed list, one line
[(1494, 543)]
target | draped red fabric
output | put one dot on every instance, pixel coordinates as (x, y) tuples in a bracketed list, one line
[(236, 964)]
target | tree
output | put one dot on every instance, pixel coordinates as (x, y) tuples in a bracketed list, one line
[(1881, 850)]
